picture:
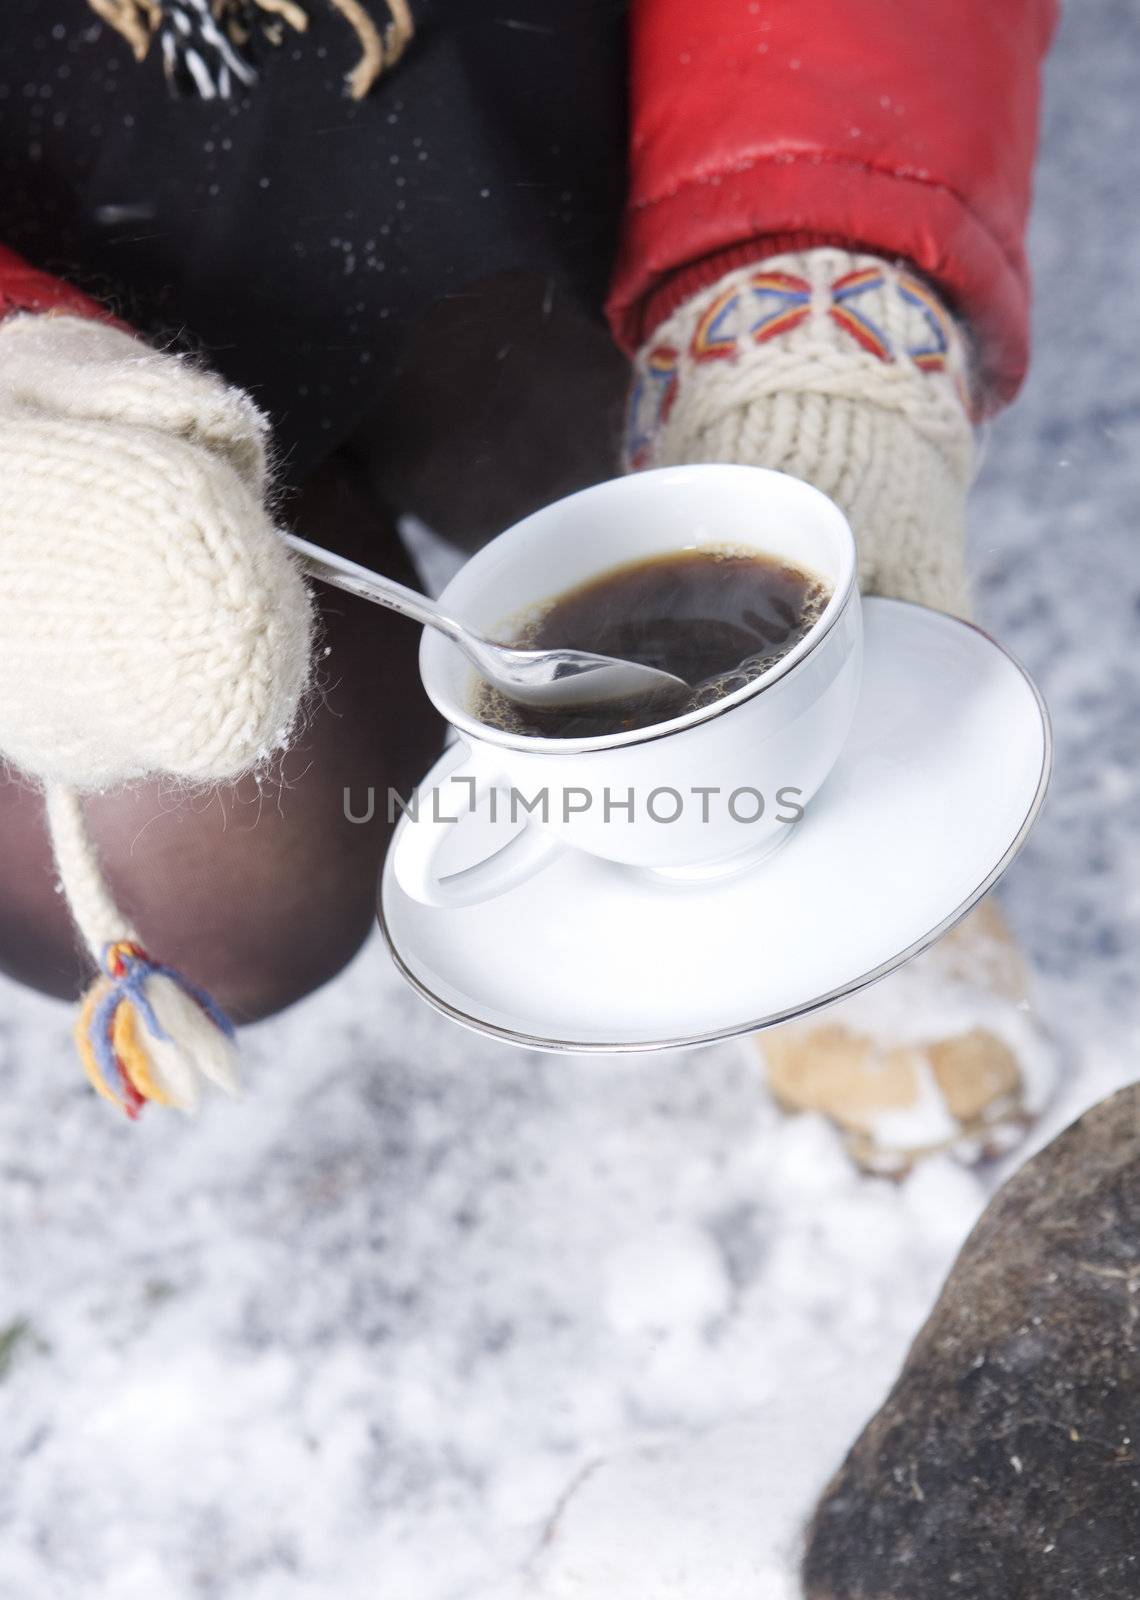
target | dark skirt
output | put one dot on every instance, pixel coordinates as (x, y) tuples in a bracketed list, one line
[(292, 235)]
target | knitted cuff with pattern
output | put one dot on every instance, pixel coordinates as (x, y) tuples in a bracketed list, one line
[(839, 369)]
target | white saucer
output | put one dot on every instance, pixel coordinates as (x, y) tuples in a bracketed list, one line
[(935, 792)]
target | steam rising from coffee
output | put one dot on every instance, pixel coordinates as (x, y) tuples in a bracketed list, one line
[(717, 618)]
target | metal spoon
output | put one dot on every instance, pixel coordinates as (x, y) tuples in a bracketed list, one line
[(532, 677)]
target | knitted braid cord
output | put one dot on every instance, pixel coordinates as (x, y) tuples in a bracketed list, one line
[(837, 368), (144, 1031), (151, 623)]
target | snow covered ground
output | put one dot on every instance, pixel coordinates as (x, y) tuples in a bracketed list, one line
[(361, 1335)]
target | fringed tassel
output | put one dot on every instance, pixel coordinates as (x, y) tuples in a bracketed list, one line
[(144, 1031)]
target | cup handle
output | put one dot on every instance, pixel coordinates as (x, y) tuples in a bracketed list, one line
[(419, 841)]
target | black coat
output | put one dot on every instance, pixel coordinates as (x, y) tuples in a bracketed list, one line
[(291, 234)]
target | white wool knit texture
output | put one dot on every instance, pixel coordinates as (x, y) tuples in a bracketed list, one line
[(152, 621), (840, 369)]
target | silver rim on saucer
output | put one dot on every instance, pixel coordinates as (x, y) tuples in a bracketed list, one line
[(758, 1024)]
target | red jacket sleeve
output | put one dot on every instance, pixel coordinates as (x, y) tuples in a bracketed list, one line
[(25, 288), (906, 128)]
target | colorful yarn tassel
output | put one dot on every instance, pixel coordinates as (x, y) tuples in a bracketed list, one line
[(146, 1033)]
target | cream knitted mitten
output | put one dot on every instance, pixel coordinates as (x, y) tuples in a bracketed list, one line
[(150, 623), (847, 371), (838, 369)]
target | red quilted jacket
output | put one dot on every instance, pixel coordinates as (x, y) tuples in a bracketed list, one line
[(903, 127)]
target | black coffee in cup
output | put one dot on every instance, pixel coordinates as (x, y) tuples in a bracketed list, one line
[(715, 618)]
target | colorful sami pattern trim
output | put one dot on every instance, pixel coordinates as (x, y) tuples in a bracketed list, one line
[(763, 307), (652, 395), (784, 302), (787, 300), (844, 292), (930, 357), (713, 340)]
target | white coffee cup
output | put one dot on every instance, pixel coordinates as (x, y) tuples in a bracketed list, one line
[(743, 768)]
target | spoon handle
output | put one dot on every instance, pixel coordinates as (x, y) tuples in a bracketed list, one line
[(358, 580)]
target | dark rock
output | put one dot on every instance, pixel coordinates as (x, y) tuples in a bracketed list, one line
[(1006, 1460)]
